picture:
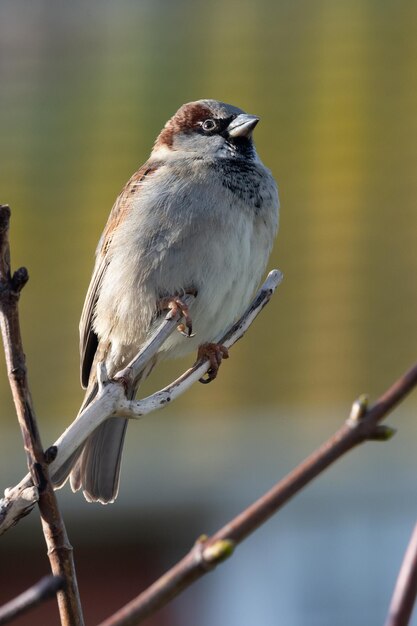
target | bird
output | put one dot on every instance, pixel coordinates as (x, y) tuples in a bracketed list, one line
[(199, 217)]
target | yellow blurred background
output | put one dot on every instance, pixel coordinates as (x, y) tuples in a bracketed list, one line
[(85, 88)]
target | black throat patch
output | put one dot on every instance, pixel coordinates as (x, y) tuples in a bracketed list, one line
[(242, 178)]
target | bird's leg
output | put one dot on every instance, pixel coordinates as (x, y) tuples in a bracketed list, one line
[(215, 353), (176, 305)]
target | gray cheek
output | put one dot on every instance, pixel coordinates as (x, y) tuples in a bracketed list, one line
[(200, 145)]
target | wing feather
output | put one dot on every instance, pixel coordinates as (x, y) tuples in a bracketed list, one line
[(88, 338)]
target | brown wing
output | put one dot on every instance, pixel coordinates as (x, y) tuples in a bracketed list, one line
[(123, 204), (88, 338)]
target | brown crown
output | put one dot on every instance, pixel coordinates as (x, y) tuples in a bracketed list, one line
[(184, 120)]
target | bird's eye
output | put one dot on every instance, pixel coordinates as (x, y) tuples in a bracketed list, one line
[(208, 125)]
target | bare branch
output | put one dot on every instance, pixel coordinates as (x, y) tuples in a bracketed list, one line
[(59, 549), (18, 502), (136, 409), (152, 345), (405, 591), (111, 399), (45, 589), (362, 424)]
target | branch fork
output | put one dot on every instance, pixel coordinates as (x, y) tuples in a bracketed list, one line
[(362, 424), (111, 400)]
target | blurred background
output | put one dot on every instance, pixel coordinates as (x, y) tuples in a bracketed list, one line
[(84, 90)]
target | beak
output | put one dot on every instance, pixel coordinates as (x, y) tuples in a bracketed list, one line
[(242, 125)]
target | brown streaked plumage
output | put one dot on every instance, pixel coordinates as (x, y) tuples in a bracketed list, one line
[(199, 216), (123, 204)]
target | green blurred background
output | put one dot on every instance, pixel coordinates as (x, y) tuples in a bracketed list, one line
[(84, 89)]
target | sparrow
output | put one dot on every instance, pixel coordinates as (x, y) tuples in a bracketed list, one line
[(200, 217)]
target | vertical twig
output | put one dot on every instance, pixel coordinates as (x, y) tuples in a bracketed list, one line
[(405, 591), (59, 549)]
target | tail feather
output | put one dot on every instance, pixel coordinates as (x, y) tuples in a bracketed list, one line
[(60, 477), (97, 470), (95, 466)]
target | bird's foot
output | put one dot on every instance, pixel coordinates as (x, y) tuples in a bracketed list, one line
[(215, 353), (176, 306)]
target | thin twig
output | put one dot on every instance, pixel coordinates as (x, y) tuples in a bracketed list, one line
[(59, 548), (45, 589), (363, 424), (405, 591), (135, 409), (111, 399)]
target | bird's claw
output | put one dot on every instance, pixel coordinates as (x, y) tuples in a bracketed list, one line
[(186, 330), (214, 353), (177, 307)]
